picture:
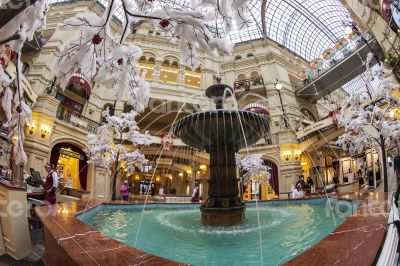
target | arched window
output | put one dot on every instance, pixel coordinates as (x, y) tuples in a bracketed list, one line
[(110, 107), (169, 71), (241, 77), (254, 75), (142, 59), (193, 78), (238, 57), (127, 107), (256, 78), (147, 66), (165, 63), (175, 64), (250, 55)]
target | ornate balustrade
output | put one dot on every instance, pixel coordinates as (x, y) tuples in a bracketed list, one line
[(68, 116), (246, 84)]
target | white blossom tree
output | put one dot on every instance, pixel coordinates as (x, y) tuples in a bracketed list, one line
[(102, 55), (18, 23), (115, 145), (369, 118), (253, 169)]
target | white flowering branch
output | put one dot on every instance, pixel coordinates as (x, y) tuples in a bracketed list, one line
[(101, 56), (108, 148), (253, 169), (20, 27), (369, 119)]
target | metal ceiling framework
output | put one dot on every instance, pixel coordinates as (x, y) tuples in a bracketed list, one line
[(305, 27)]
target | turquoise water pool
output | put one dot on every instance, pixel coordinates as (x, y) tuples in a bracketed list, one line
[(174, 231)]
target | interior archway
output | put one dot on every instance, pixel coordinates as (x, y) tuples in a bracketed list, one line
[(70, 163)]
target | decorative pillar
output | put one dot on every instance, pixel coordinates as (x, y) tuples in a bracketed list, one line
[(157, 70), (341, 171), (206, 78), (181, 75), (373, 166)]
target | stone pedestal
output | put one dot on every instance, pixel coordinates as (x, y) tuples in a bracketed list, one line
[(223, 216), (223, 205)]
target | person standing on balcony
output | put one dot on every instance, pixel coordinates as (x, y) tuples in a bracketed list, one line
[(50, 185)]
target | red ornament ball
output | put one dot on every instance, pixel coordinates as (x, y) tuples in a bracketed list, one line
[(120, 61), (13, 55), (164, 23), (19, 109), (96, 39)]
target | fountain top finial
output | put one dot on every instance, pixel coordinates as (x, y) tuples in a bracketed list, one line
[(217, 92)]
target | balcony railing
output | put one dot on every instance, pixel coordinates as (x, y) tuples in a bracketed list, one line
[(246, 84), (341, 55), (70, 117)]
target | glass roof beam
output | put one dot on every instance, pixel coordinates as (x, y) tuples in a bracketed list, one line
[(316, 21)]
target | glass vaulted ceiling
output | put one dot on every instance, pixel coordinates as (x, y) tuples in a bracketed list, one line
[(306, 27)]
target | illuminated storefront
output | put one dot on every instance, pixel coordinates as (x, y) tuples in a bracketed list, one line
[(70, 164)]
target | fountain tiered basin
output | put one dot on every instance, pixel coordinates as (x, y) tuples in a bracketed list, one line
[(221, 133)]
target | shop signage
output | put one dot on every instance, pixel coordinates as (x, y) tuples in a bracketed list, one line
[(314, 127), (164, 161), (72, 154)]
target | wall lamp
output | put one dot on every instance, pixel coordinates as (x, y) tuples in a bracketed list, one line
[(286, 155), (297, 154), (203, 167), (278, 85), (30, 127), (44, 130)]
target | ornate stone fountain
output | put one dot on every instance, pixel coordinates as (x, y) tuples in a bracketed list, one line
[(221, 133)]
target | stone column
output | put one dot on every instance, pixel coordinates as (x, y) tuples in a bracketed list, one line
[(341, 172), (373, 167), (207, 78), (181, 75), (157, 70)]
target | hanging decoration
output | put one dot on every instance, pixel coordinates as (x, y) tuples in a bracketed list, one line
[(301, 74), (317, 63), (167, 141), (353, 37), (309, 72), (329, 53), (341, 44)]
